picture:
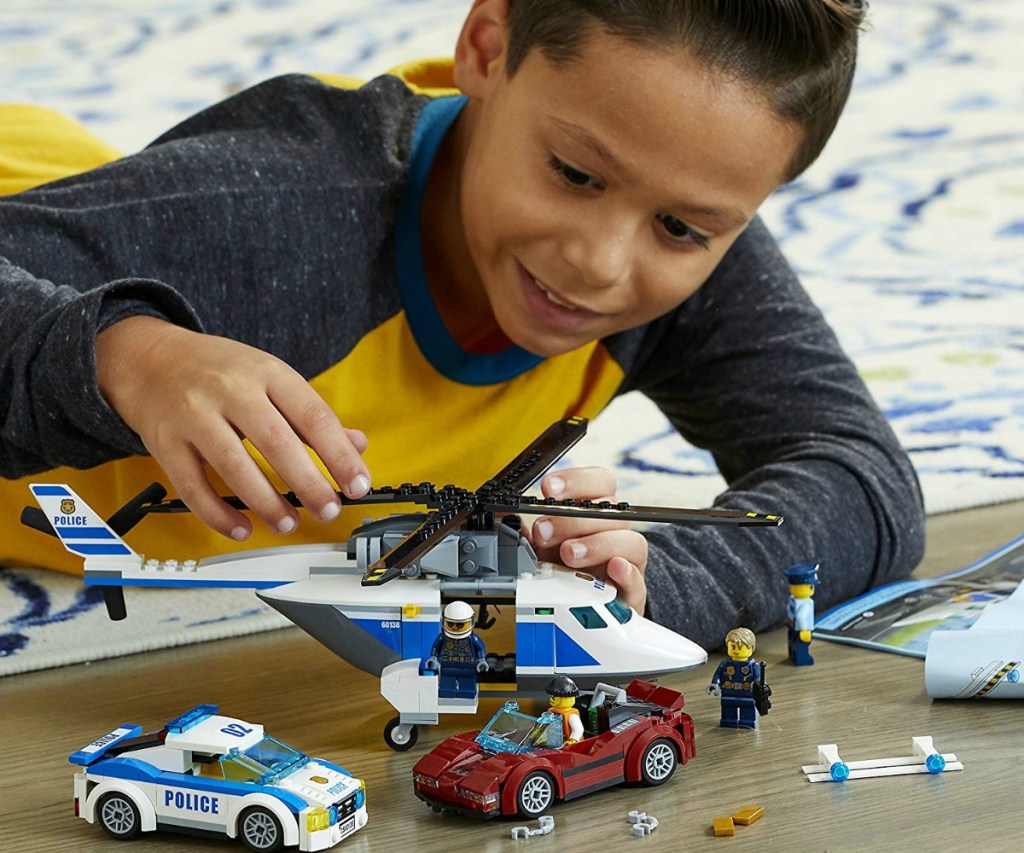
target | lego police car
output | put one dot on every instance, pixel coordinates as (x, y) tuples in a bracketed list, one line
[(205, 773)]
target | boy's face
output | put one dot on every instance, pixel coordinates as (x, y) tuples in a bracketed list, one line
[(600, 194)]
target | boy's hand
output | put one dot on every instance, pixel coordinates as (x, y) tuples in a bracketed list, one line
[(192, 398), (608, 548)]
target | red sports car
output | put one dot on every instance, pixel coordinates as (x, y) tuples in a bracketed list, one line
[(518, 765)]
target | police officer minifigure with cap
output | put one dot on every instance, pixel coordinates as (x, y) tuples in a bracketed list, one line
[(563, 691), (457, 654), (800, 611)]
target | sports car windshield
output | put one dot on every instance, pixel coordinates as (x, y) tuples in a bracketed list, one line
[(512, 731), (263, 762)]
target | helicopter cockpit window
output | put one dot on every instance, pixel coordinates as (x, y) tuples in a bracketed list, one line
[(620, 610), (588, 617)]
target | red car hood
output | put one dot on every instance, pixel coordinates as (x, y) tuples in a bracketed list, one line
[(461, 760)]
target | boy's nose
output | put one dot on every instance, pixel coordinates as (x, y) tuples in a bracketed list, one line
[(603, 257)]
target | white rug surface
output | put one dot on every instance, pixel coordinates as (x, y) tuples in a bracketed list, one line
[(909, 231)]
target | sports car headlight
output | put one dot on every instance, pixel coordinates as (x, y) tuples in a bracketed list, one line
[(488, 801), (425, 781), (318, 819)]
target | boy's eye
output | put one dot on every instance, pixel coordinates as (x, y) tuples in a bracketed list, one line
[(571, 175), (679, 230)]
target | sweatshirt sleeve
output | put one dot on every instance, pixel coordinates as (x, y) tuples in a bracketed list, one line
[(749, 369), (247, 221), (51, 409)]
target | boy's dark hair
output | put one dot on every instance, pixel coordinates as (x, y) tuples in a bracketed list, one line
[(800, 53)]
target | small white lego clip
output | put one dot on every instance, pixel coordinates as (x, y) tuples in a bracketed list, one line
[(643, 823), (544, 825)]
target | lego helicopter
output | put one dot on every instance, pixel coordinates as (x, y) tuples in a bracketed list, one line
[(467, 546)]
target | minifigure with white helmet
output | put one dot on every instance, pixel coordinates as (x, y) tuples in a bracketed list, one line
[(458, 654)]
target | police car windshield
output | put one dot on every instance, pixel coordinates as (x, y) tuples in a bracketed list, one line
[(274, 757)]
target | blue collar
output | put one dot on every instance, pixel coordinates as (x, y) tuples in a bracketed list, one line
[(432, 337)]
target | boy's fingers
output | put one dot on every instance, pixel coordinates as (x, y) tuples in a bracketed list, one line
[(188, 477), (320, 428), (550, 530), (358, 439), (630, 581), (599, 549), (580, 483), (225, 453), (274, 437)]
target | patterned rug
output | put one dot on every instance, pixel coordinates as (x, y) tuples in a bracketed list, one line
[(909, 231)]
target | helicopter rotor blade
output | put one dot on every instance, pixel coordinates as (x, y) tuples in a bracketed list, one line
[(550, 446), (434, 528), (424, 493), (135, 510), (622, 511)]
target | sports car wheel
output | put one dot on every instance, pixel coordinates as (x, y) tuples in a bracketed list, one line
[(400, 737), (118, 815), (260, 830), (658, 762), (536, 794)]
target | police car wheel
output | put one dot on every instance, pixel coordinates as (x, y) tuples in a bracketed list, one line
[(260, 830), (658, 762), (397, 738), (535, 795), (118, 815)]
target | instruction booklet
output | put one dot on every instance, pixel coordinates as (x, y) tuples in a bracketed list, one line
[(901, 617)]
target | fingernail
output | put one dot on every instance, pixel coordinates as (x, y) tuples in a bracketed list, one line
[(556, 485), (239, 534), (329, 512), (579, 550), (546, 530), (287, 524), (359, 486)]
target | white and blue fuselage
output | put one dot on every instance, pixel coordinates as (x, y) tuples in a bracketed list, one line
[(566, 622)]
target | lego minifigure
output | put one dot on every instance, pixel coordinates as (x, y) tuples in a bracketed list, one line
[(739, 681), (458, 654), (563, 692), (800, 611)]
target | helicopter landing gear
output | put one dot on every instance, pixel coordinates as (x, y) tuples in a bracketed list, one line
[(400, 736)]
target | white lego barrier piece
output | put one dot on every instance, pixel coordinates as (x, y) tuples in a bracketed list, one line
[(925, 759)]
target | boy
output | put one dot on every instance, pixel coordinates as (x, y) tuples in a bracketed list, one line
[(451, 275)]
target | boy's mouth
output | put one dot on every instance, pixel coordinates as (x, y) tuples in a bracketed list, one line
[(551, 297), (551, 312)]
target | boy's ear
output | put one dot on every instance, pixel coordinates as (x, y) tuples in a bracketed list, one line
[(480, 50)]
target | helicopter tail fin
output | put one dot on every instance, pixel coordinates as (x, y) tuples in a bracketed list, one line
[(78, 526)]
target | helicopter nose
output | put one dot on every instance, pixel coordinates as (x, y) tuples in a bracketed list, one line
[(654, 647)]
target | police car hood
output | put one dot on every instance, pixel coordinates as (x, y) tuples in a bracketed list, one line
[(318, 784)]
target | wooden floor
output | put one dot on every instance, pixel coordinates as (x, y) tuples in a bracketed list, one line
[(870, 703)]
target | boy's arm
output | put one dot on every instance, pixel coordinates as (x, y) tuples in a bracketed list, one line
[(749, 369), (51, 410), (217, 210)]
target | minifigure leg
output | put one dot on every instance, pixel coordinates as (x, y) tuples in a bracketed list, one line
[(748, 715), (738, 712), (467, 686), (730, 713), (447, 685), (801, 654), (799, 651)]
